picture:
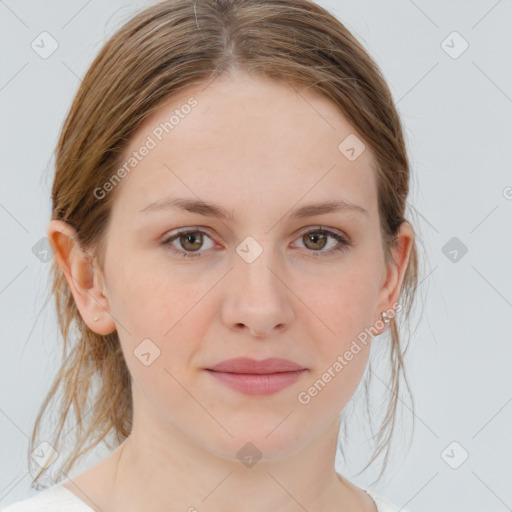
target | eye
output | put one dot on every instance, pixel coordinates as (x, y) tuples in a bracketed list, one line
[(317, 239), (190, 241)]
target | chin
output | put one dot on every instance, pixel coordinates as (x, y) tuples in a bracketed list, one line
[(261, 441)]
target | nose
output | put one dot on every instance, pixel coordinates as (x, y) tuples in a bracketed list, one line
[(258, 299)]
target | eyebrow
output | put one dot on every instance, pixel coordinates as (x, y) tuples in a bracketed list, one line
[(217, 211)]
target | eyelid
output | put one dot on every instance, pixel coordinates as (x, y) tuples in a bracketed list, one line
[(176, 233), (192, 229), (344, 242), (322, 228)]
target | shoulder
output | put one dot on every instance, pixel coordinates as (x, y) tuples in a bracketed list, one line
[(383, 504), (53, 499)]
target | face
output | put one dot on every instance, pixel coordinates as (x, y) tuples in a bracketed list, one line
[(260, 282)]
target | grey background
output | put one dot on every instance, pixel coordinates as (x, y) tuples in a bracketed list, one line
[(456, 113)]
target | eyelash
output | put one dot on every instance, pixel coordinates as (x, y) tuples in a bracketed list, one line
[(343, 244)]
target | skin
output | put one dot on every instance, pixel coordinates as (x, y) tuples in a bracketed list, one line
[(260, 149)]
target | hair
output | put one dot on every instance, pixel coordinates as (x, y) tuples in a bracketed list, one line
[(167, 47)]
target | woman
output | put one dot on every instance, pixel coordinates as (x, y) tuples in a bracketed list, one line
[(229, 235)]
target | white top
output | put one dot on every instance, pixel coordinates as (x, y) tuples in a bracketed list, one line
[(58, 498)]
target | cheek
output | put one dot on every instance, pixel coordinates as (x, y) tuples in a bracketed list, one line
[(346, 307), (152, 298), (342, 358), (347, 302), (166, 309)]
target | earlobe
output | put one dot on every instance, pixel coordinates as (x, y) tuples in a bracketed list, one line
[(83, 276)]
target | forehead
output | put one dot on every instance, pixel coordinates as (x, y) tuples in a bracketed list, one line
[(242, 136)]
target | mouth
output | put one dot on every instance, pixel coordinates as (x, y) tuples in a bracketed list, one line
[(253, 377)]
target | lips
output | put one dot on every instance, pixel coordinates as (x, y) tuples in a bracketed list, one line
[(252, 377), (253, 366)]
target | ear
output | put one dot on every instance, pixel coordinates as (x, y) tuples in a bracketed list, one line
[(389, 293), (83, 276)]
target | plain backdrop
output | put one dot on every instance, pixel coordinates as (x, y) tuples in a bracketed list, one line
[(449, 66)]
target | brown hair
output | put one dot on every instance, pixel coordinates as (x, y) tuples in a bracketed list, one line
[(167, 47)]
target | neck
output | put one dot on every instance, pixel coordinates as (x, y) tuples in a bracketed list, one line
[(153, 472), (158, 467)]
